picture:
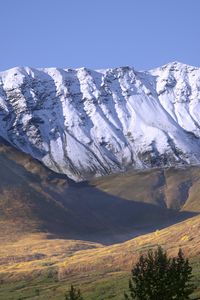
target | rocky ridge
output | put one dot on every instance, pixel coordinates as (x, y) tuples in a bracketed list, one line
[(86, 123)]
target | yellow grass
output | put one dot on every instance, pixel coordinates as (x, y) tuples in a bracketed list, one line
[(36, 253)]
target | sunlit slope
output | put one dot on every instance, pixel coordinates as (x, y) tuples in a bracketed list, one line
[(174, 188), (121, 257), (80, 261)]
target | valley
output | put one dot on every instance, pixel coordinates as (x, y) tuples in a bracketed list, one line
[(55, 232)]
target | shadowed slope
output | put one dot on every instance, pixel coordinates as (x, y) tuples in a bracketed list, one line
[(34, 199)]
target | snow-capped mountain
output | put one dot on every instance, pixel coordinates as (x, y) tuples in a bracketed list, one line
[(87, 123)]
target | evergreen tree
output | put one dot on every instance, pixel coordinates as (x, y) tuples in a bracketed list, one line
[(73, 294), (156, 276), (182, 275)]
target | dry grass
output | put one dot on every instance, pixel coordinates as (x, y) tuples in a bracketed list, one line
[(36, 253), (47, 225), (172, 188)]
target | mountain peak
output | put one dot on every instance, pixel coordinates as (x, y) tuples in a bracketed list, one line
[(86, 123), (176, 65)]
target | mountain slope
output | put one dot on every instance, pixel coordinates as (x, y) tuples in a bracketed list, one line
[(29, 195), (33, 199), (86, 123), (52, 265), (50, 226), (172, 188)]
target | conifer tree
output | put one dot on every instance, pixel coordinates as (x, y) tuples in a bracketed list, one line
[(156, 276)]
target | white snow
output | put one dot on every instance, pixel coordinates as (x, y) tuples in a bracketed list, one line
[(89, 123)]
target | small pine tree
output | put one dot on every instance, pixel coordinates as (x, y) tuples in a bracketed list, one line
[(73, 294), (182, 275), (156, 276)]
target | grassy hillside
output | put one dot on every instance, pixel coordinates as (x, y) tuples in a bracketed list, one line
[(54, 232), (101, 271), (173, 188), (35, 199)]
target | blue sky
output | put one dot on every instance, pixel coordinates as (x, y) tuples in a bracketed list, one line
[(99, 33)]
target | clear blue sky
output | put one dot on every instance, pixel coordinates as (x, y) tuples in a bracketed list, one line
[(99, 33)]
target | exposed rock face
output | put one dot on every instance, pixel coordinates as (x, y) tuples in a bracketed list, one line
[(86, 123)]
